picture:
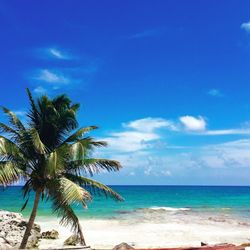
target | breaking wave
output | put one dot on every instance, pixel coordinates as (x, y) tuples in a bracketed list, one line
[(171, 209)]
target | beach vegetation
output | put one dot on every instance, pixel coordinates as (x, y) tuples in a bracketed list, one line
[(54, 158)]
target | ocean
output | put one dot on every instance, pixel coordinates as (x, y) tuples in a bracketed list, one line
[(151, 216), (230, 200)]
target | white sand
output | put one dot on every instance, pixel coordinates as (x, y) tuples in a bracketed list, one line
[(175, 230)]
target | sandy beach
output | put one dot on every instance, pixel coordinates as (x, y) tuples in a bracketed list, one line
[(151, 229)]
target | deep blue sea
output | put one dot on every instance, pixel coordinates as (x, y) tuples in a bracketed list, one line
[(223, 199)]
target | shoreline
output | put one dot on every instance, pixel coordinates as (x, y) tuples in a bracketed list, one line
[(180, 230), (143, 229)]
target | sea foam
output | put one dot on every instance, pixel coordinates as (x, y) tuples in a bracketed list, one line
[(170, 209)]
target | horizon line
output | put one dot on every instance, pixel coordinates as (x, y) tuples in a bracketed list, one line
[(159, 185)]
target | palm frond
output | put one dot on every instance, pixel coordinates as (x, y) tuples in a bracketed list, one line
[(73, 193), (89, 143), (81, 149), (6, 129), (54, 164), (38, 144), (67, 214), (27, 188), (13, 119), (61, 204), (10, 149), (9, 173), (77, 151), (25, 204), (33, 114), (94, 165), (75, 107), (94, 186), (67, 121), (79, 133), (61, 102)]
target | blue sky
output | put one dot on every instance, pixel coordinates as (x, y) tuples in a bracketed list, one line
[(168, 82)]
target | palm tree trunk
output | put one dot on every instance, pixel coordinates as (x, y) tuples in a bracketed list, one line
[(82, 240), (31, 220)]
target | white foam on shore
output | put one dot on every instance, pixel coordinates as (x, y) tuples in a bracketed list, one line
[(173, 232), (172, 209)]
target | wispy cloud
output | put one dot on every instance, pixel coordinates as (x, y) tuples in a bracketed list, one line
[(137, 135), (150, 133), (149, 124), (152, 170), (215, 93), (59, 54), (233, 154), (129, 141), (148, 33), (49, 76), (40, 90), (239, 131), (203, 162), (54, 53), (246, 26), (72, 72), (135, 146)]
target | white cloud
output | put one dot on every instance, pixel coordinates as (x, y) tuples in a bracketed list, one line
[(138, 134), (198, 125), (53, 77), (128, 141), (227, 132), (58, 54), (246, 26), (148, 171), (79, 73), (149, 124), (218, 158), (220, 163), (154, 166), (192, 123), (166, 173), (53, 53), (215, 93), (233, 154), (147, 134), (40, 90), (134, 147)]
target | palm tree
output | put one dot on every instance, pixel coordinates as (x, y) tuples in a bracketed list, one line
[(53, 158)]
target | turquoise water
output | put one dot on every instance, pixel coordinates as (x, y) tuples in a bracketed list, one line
[(234, 200)]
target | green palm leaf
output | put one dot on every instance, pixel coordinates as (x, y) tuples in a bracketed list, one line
[(33, 114), (79, 133), (6, 129), (13, 119), (94, 165), (38, 144), (9, 173), (94, 186), (54, 158), (67, 214), (9, 149), (73, 193)]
